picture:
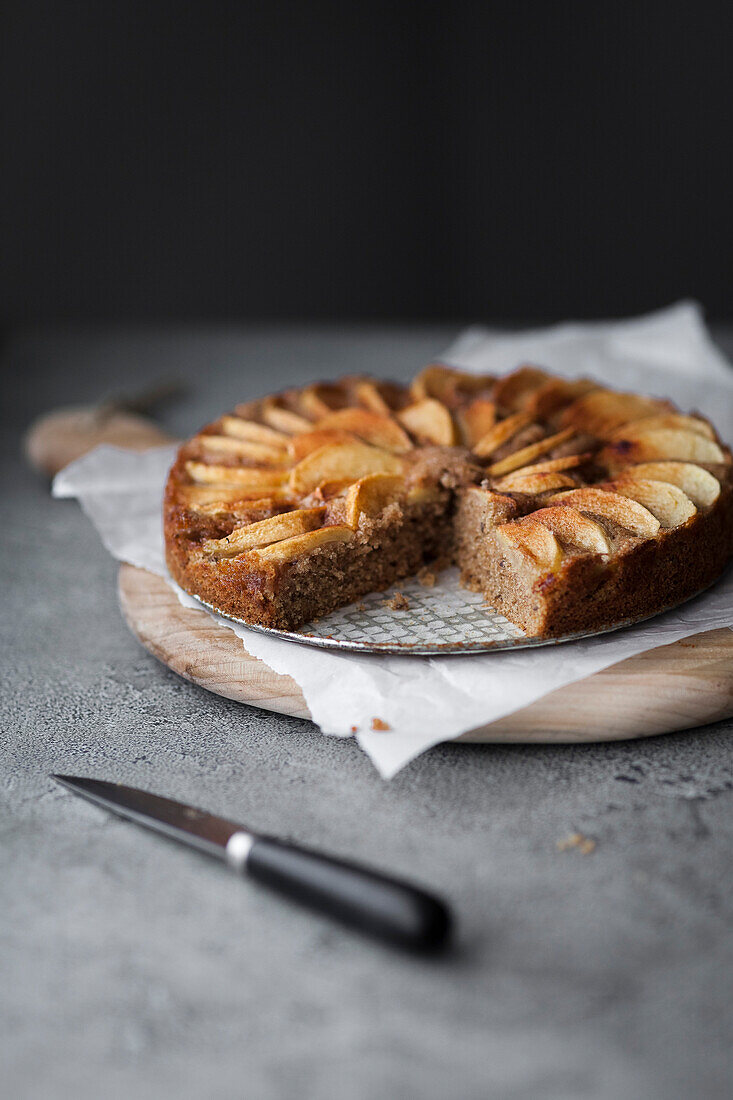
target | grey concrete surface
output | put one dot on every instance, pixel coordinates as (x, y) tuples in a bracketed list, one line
[(133, 967)]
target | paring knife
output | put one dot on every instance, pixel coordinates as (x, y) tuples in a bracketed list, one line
[(376, 904)]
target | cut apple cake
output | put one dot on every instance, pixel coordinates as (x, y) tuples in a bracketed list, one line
[(568, 505)]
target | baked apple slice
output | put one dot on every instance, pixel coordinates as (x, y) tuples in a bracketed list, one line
[(574, 529), (446, 383), (534, 541), (601, 411), (648, 444), (528, 454), (697, 483), (429, 421), (321, 398), (545, 402), (515, 390), (198, 497), (255, 507), (303, 444), (376, 428), (263, 453), (369, 395), (264, 532), (301, 545), (244, 476), (370, 495), (240, 428), (553, 465), (500, 433), (622, 510), (522, 481), (342, 461), (668, 420), (276, 415), (477, 419), (667, 502)]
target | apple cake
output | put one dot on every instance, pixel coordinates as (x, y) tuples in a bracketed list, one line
[(568, 505)]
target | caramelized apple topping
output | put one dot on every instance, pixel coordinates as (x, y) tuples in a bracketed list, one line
[(369, 395), (477, 419), (524, 482), (371, 494), (256, 506), (544, 403), (501, 432), (553, 465), (515, 390), (240, 428), (277, 416), (601, 411), (445, 384), (651, 443), (533, 541), (301, 545), (627, 513), (695, 482), (303, 444), (429, 421), (246, 477), (528, 454), (667, 420), (573, 529), (382, 431), (320, 399), (244, 448), (264, 532), (342, 460), (667, 502), (218, 498)]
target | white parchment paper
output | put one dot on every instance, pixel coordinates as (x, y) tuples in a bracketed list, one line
[(427, 700)]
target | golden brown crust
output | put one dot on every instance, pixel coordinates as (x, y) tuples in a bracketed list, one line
[(571, 507)]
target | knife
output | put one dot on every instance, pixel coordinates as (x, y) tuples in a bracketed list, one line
[(385, 907)]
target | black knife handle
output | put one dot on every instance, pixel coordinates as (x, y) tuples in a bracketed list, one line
[(373, 903)]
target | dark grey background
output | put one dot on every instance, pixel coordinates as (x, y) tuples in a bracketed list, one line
[(496, 161)]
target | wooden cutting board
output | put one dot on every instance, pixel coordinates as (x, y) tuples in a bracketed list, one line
[(688, 683)]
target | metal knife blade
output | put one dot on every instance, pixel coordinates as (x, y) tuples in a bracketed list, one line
[(386, 907), (214, 835)]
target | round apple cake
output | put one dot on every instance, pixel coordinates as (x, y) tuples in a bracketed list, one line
[(568, 505)]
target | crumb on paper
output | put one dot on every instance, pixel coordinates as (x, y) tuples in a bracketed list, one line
[(426, 577), (378, 724), (399, 602), (584, 844), (354, 729)]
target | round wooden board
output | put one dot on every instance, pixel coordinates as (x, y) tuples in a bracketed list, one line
[(688, 683)]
